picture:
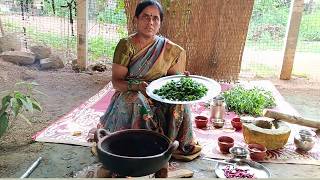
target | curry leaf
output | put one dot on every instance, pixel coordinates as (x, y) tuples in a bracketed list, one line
[(36, 105), (4, 122), (15, 106), (5, 103), (248, 101), (186, 89), (15, 103), (29, 106)]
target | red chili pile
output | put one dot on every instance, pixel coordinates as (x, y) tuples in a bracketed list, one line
[(232, 172)]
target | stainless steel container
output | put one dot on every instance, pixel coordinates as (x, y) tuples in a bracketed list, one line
[(218, 108), (218, 123), (304, 140), (239, 152)]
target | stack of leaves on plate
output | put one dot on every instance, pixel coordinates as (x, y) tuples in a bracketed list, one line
[(185, 89)]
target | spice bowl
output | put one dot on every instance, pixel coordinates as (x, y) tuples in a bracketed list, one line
[(218, 123), (236, 123), (304, 140), (225, 143), (201, 121), (257, 152), (239, 152)]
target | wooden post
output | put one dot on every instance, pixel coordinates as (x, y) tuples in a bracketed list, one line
[(1, 28), (82, 26), (291, 38)]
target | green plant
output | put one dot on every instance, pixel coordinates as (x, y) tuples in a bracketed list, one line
[(16, 103), (248, 101)]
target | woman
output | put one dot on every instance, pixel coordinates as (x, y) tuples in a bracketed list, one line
[(138, 60)]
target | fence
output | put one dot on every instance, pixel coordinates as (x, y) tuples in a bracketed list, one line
[(55, 26), (263, 54)]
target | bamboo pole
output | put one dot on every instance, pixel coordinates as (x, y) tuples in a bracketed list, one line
[(82, 27), (291, 119), (1, 28), (291, 38)]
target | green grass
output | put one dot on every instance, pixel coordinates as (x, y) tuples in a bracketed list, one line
[(98, 46), (302, 46), (260, 69), (53, 40), (305, 46)]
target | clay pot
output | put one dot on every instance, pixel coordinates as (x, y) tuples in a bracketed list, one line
[(257, 152), (225, 143), (236, 123), (201, 121)]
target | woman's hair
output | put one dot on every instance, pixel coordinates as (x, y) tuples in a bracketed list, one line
[(145, 3)]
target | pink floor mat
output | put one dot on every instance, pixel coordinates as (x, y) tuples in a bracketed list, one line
[(73, 128)]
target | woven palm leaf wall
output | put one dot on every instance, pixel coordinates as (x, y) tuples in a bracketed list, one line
[(213, 32)]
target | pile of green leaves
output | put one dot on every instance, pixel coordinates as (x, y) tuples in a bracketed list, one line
[(248, 101), (185, 89), (16, 103)]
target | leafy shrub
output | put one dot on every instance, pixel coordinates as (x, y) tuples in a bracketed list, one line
[(248, 101), (16, 103)]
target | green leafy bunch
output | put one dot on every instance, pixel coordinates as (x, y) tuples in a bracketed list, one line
[(248, 101), (16, 103), (185, 89)]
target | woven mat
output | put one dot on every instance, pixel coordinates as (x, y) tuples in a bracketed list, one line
[(73, 128)]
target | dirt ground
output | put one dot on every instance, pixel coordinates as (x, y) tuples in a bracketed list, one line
[(66, 90)]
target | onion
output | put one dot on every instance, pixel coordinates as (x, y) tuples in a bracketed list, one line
[(232, 172)]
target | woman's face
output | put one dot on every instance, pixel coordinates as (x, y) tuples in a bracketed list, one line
[(148, 22)]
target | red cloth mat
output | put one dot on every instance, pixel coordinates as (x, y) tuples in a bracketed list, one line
[(73, 128), (208, 138)]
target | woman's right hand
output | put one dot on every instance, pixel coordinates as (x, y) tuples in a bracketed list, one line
[(142, 87)]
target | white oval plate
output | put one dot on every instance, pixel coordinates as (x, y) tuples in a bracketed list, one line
[(213, 86), (255, 168)]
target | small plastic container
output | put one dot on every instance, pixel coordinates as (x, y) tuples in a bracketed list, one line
[(201, 121), (225, 143)]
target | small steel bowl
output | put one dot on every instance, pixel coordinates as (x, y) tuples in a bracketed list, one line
[(239, 152), (305, 140), (218, 123)]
